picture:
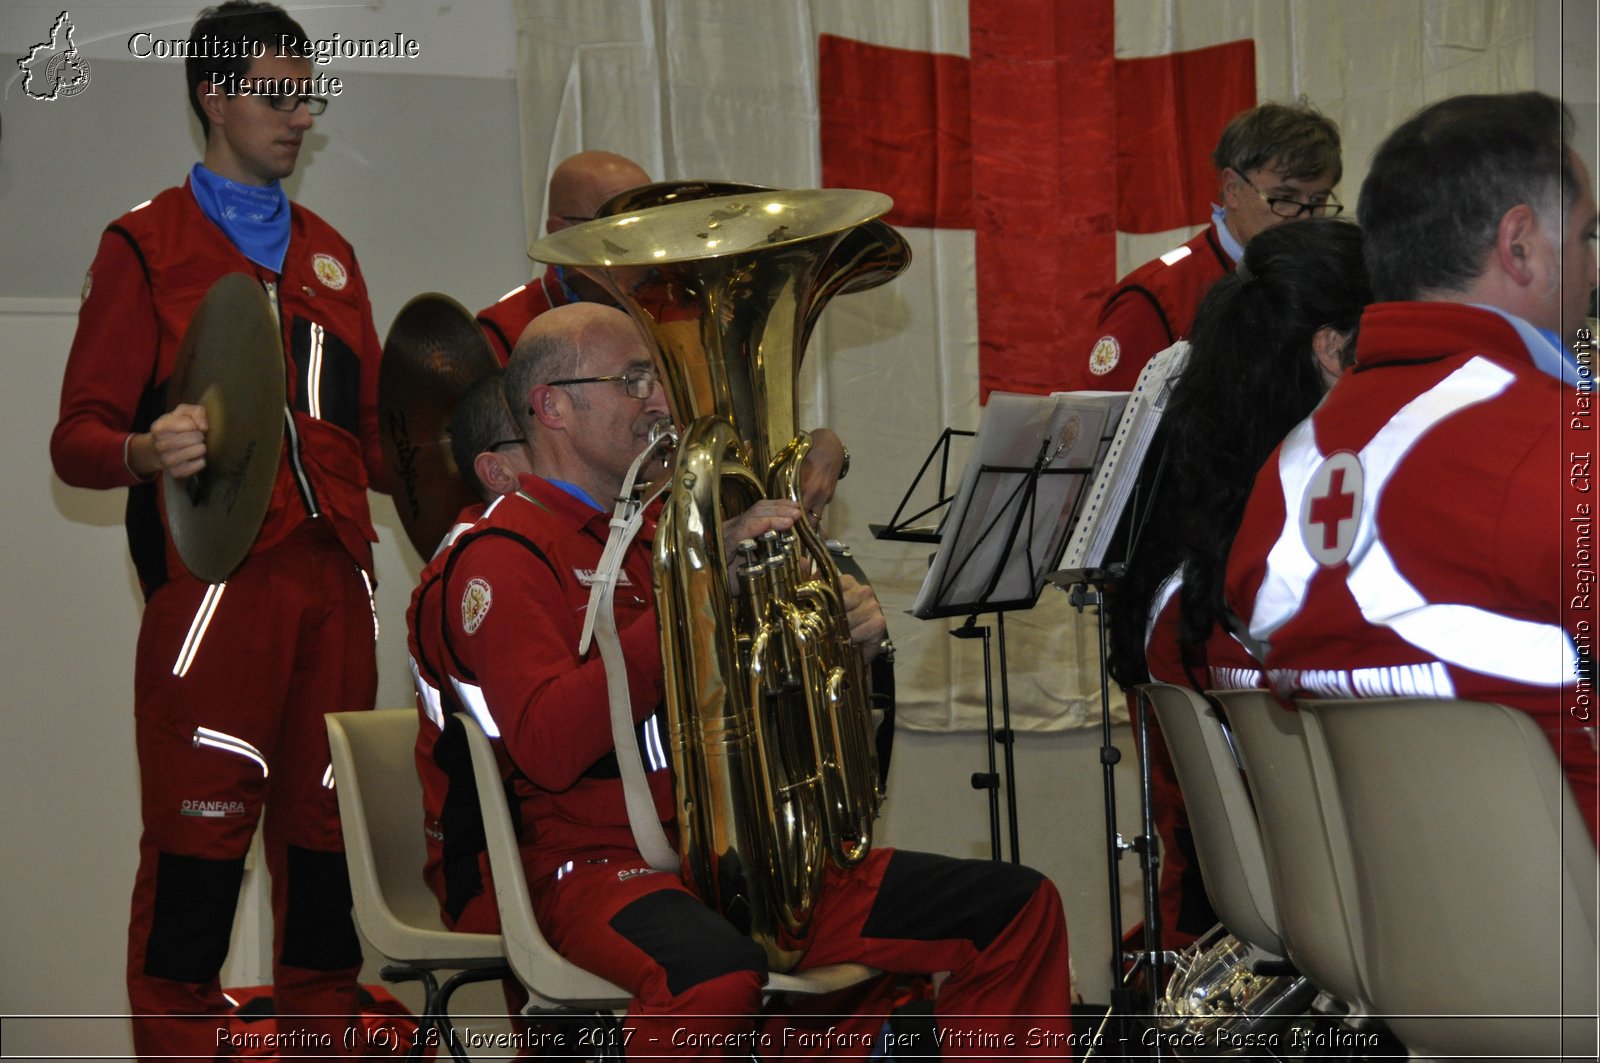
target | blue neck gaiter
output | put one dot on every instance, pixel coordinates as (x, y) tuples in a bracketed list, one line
[(255, 217)]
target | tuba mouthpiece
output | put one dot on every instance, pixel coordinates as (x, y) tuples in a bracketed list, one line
[(663, 432)]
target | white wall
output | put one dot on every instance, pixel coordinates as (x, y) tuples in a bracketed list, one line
[(419, 165)]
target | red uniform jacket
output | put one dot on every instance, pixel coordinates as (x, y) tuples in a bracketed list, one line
[(457, 867), (1221, 664), (515, 592), (504, 321), (154, 265), (1421, 534), (1152, 308)]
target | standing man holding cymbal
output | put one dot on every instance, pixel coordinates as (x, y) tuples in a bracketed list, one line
[(233, 677)]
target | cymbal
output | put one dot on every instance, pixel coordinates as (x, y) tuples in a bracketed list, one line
[(434, 352), (230, 362)]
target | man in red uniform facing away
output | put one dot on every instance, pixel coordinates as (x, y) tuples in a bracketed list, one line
[(579, 185), (1275, 163), (1421, 532), (232, 679), (585, 387)]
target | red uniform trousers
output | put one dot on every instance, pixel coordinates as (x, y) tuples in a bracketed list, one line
[(231, 686), (997, 928)]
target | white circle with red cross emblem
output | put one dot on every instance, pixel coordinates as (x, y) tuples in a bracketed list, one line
[(1331, 510)]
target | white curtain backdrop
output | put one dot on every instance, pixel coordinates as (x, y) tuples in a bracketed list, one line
[(728, 89)]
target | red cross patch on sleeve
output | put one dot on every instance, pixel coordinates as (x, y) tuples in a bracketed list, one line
[(1332, 509)]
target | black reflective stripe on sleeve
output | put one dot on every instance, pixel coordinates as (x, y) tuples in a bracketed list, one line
[(1142, 292), (449, 569), (327, 376), (938, 898), (688, 941), (147, 536), (137, 252), (1216, 249), (606, 767), (318, 932), (193, 920), (489, 326)]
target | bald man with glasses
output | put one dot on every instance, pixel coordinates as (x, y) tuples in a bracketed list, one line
[(579, 185)]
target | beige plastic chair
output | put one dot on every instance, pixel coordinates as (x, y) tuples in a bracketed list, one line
[(555, 984), (1475, 875), (380, 810), (1310, 879), (1227, 837)]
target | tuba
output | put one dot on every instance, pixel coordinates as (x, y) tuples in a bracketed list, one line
[(1224, 993), (768, 720)]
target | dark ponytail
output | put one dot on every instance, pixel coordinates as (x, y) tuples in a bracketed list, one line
[(1252, 376)]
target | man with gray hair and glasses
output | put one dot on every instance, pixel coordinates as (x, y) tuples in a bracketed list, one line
[(1276, 162)]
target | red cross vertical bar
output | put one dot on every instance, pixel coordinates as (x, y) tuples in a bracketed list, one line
[(1332, 509), (1044, 181), (1044, 143)]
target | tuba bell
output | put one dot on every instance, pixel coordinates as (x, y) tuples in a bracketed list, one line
[(769, 724)]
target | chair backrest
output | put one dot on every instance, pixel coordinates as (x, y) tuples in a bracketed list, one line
[(1475, 873), (551, 978), (1308, 880), (1226, 836), (381, 816)]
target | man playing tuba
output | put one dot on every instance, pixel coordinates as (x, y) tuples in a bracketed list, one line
[(586, 389)]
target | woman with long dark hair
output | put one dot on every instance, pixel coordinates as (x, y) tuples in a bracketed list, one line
[(1267, 343)]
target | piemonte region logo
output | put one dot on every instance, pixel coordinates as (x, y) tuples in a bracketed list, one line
[(55, 69)]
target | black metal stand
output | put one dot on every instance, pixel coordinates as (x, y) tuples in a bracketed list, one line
[(1130, 1000), (1003, 736), (905, 528), (1155, 959), (1012, 526)]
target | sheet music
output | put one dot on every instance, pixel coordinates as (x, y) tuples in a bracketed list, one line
[(1119, 468), (1070, 430)]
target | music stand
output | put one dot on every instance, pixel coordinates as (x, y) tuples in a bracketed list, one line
[(1003, 532), (904, 528), (1120, 505)]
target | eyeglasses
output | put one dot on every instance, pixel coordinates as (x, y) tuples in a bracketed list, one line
[(1293, 208), (315, 105), (638, 383), (286, 102), (505, 443)]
